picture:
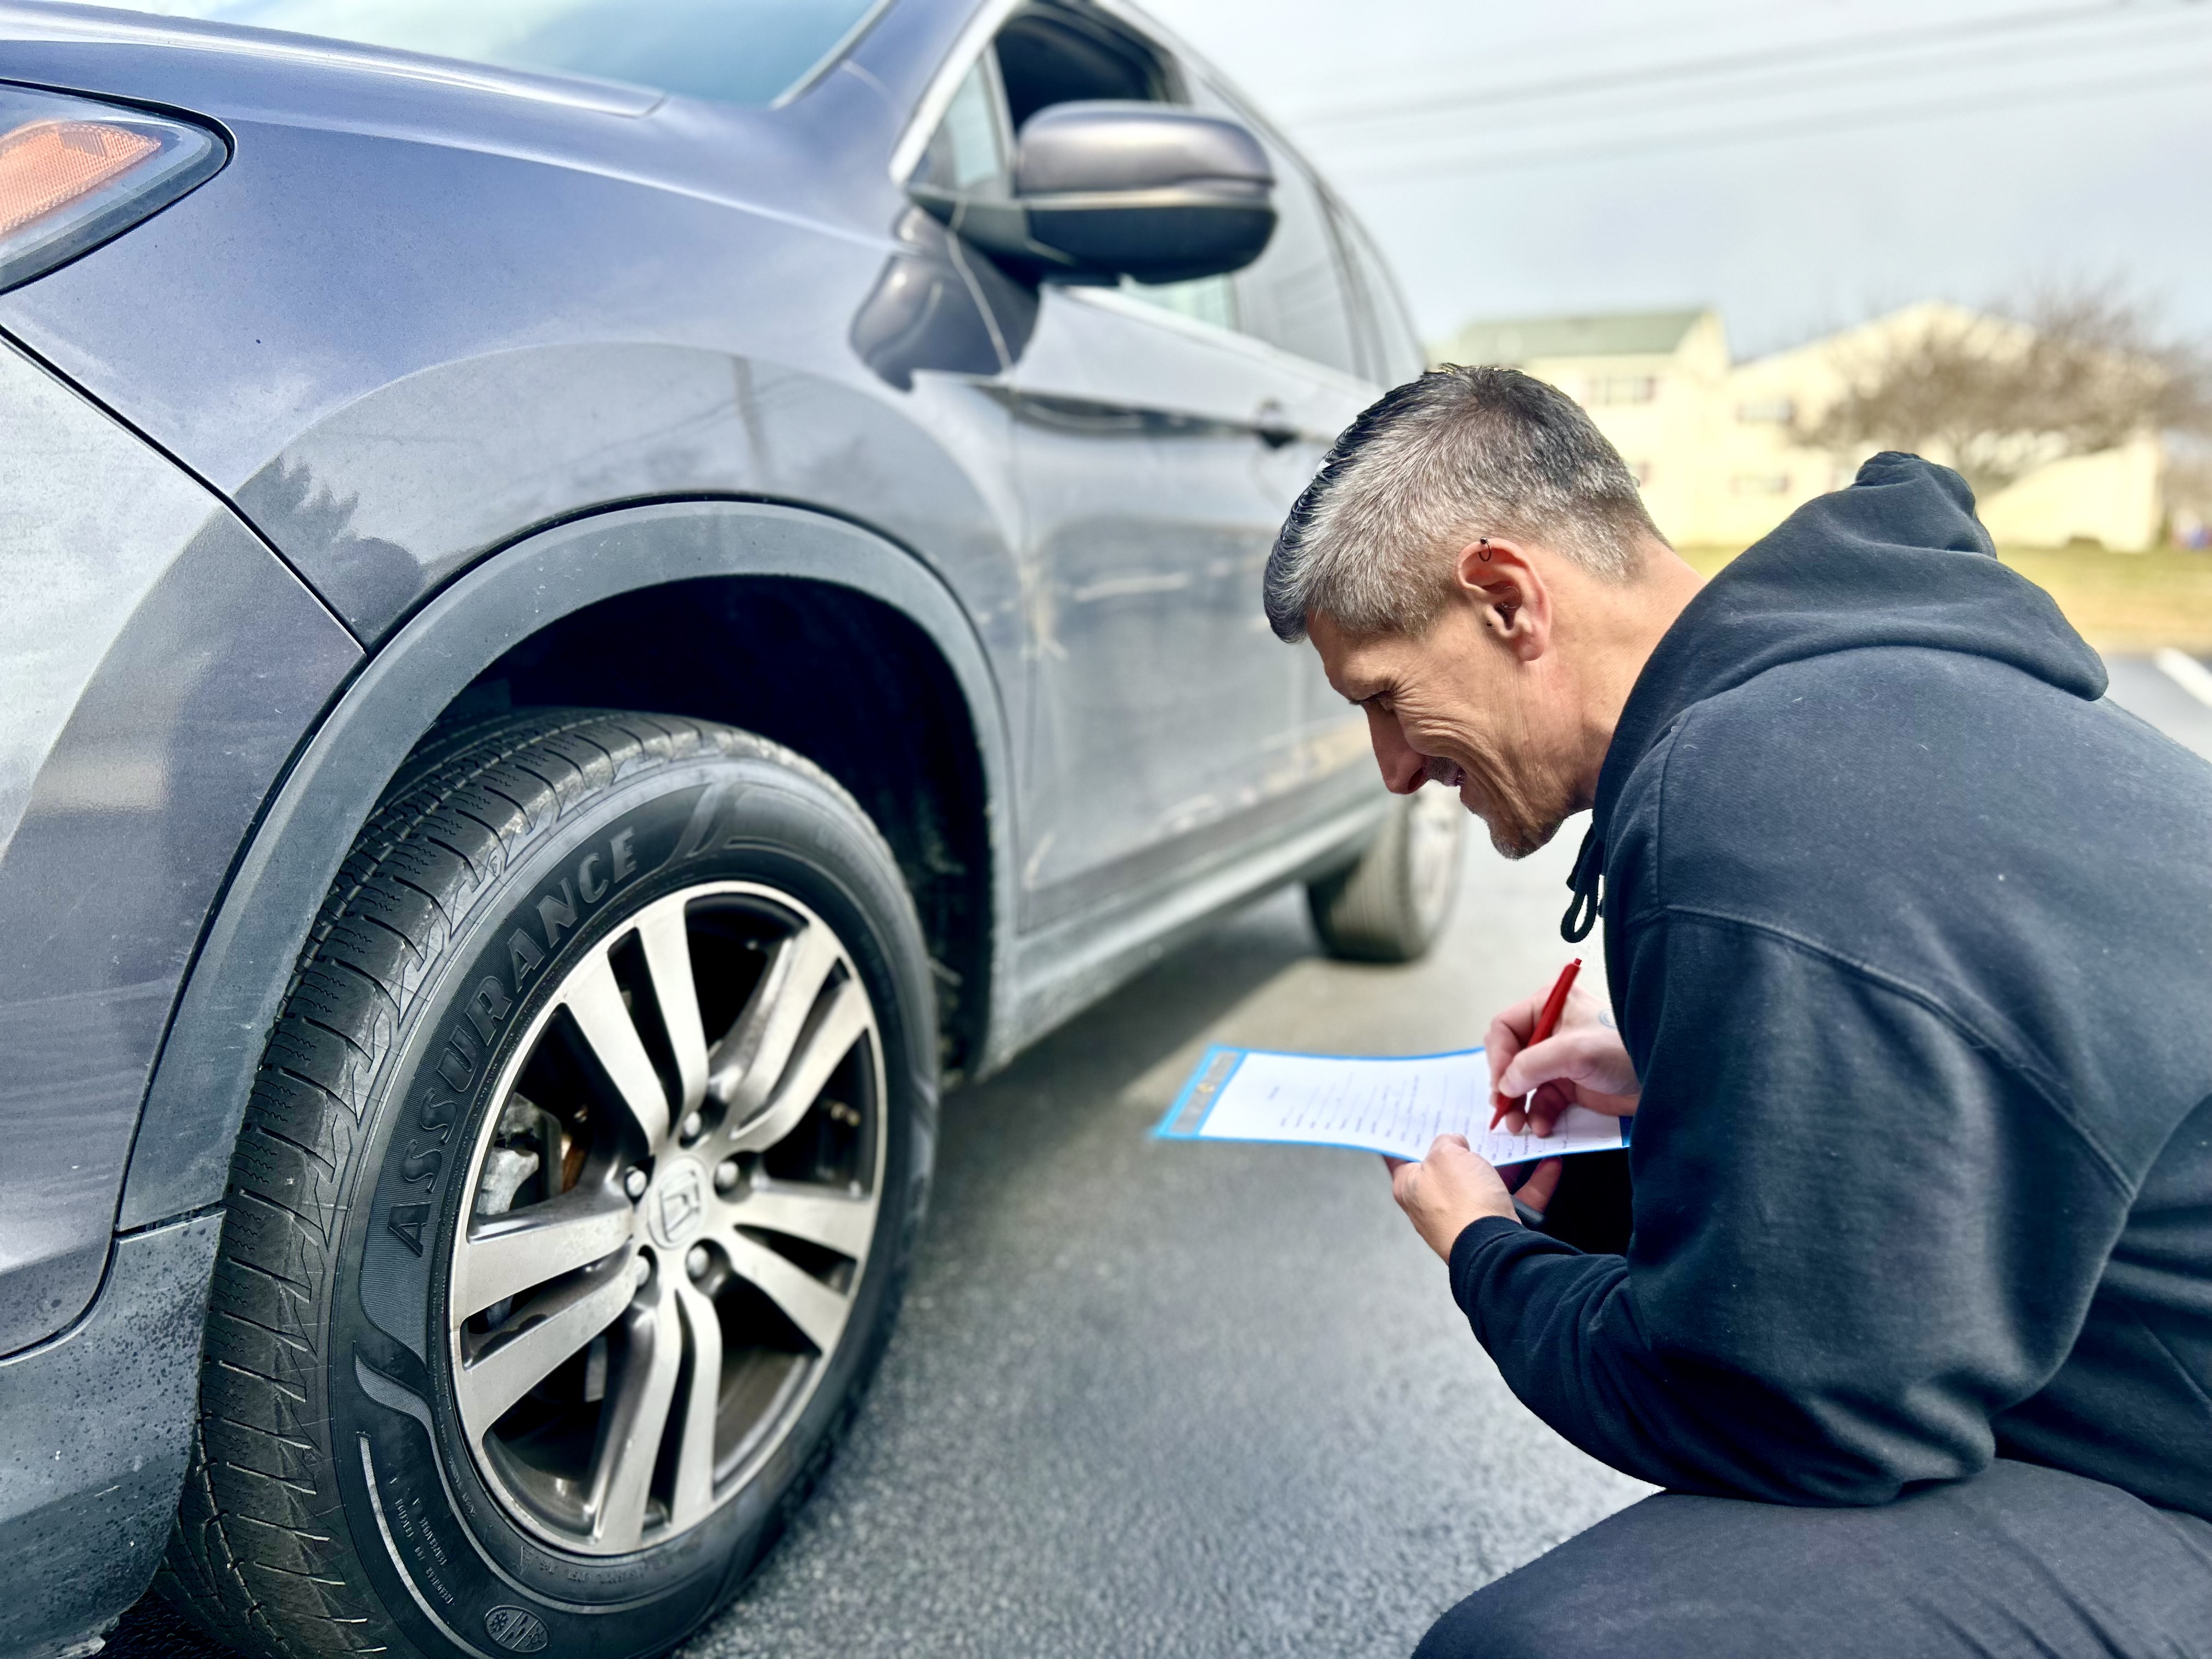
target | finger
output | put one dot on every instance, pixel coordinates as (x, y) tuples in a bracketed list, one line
[(1445, 1147), (1548, 1106), (1395, 1165), (1403, 1180), (1536, 1192), (1508, 1029)]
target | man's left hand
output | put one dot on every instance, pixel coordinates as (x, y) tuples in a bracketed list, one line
[(1452, 1186)]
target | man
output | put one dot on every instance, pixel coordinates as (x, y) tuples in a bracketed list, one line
[(1909, 937)]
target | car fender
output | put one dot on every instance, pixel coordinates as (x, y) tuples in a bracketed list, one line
[(198, 1097)]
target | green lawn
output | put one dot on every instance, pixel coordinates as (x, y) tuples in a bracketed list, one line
[(2132, 602)]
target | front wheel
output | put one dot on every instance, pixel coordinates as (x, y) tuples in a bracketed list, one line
[(1390, 904), (572, 1204)]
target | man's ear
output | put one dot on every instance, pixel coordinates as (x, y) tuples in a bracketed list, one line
[(1514, 600)]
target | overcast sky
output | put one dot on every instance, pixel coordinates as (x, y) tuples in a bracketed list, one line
[(1799, 164)]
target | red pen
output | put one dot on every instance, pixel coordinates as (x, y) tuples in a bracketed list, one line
[(1547, 1023)]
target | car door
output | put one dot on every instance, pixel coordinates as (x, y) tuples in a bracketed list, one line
[(1160, 435)]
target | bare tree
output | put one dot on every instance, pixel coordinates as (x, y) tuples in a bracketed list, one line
[(2069, 372)]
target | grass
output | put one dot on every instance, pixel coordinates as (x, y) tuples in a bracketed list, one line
[(2120, 602)]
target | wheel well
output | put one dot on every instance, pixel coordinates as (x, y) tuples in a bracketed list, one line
[(846, 680)]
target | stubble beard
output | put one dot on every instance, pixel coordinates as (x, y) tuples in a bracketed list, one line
[(1517, 829)]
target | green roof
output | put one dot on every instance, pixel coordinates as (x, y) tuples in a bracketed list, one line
[(1521, 339)]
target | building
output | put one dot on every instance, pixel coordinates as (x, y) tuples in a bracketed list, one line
[(1710, 440)]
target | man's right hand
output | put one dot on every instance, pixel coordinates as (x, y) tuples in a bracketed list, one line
[(1583, 1063)]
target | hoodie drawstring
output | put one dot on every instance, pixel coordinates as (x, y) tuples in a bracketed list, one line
[(1589, 874)]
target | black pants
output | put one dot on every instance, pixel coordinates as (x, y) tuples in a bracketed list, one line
[(2020, 1559)]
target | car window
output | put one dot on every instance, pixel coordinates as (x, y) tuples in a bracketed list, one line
[(1396, 349), (968, 151), (1204, 299), (1292, 296), (738, 51)]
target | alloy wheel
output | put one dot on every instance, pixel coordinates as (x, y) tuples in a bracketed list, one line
[(671, 1207)]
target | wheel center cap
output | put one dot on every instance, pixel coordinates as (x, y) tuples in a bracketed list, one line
[(676, 1206)]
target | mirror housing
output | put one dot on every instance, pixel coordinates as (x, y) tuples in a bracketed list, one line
[(1109, 189)]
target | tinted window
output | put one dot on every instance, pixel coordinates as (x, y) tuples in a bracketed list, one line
[(1292, 295), (740, 52), (1053, 56), (1398, 355)]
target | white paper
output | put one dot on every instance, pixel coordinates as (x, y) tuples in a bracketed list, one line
[(1393, 1106)]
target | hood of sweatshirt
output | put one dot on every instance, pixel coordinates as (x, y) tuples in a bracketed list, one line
[(1897, 559)]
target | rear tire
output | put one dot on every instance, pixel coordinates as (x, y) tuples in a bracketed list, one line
[(1390, 904), (572, 1205)]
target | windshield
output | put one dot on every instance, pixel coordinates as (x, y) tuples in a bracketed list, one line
[(739, 52)]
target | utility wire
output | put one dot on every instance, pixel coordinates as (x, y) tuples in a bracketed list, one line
[(1992, 67), (2198, 75), (1742, 62)]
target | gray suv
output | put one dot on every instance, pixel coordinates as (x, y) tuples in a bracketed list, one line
[(601, 599)]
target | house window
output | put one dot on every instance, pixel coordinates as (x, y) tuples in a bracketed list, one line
[(1768, 411), (1622, 389), (1761, 484)]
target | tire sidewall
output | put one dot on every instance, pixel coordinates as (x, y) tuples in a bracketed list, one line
[(412, 1492)]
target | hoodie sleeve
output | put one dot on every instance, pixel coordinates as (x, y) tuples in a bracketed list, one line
[(1859, 1236)]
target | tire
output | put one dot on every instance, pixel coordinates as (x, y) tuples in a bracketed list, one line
[(1389, 903), (572, 1205)]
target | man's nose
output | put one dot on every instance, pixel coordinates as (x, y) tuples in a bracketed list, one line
[(1404, 767)]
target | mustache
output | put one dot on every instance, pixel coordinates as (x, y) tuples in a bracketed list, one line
[(1449, 773)]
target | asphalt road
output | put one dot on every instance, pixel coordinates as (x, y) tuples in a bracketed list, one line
[(1178, 1400)]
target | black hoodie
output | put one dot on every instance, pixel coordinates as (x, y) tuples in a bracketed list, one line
[(1910, 938)]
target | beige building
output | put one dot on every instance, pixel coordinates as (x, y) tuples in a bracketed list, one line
[(1709, 439)]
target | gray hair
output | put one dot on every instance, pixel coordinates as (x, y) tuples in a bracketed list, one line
[(1427, 468)]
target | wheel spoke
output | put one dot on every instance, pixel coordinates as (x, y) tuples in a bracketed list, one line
[(667, 944), (636, 1419), (748, 1062), (694, 1456), (596, 1001), (820, 1215), (841, 1022), (818, 1311), (505, 1255), (492, 1385)]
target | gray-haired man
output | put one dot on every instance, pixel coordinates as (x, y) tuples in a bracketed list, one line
[(1909, 937)]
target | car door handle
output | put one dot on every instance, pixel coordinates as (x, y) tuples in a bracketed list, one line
[(1273, 427)]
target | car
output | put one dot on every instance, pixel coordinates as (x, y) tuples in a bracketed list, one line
[(602, 599)]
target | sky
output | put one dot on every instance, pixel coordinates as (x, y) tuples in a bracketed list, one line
[(1798, 164)]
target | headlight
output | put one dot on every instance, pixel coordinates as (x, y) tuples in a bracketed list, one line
[(74, 173)]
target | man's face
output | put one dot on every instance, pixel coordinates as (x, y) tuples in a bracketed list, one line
[(1458, 704)]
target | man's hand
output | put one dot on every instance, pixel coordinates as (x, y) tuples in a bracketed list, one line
[(1583, 1063), (1452, 1186)]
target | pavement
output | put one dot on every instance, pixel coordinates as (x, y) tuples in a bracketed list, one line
[(1158, 1399)]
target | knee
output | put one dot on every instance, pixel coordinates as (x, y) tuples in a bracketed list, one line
[(1496, 1623)]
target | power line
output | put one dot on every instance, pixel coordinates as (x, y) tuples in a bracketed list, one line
[(1741, 62), (1810, 78), (2195, 76)]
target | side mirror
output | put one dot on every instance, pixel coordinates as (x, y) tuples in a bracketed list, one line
[(1140, 190), (1109, 189)]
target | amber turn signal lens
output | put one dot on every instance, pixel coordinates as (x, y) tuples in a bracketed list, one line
[(47, 165), (77, 172)]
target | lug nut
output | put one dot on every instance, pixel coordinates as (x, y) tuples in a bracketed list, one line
[(691, 1126), (727, 1174), (641, 1271), (696, 1261), (635, 1183)]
